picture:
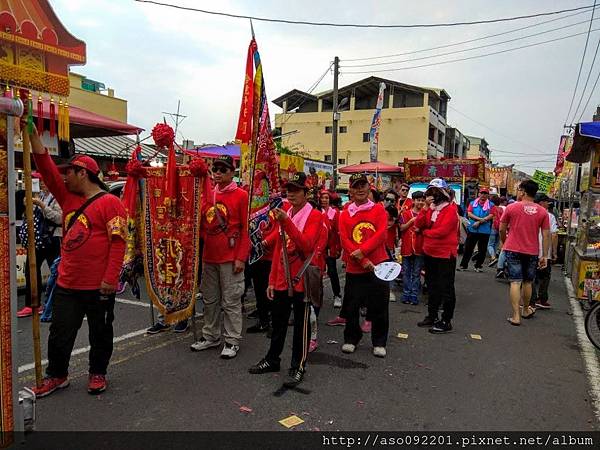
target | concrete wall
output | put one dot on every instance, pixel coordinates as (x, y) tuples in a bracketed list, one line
[(105, 104)]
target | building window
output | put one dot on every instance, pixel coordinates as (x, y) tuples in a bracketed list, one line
[(328, 130), (343, 129), (366, 137), (341, 161), (327, 158)]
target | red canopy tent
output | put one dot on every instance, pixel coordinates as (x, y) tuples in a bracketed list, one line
[(371, 167)]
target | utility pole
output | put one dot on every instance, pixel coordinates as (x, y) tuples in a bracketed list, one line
[(336, 118), (176, 117)]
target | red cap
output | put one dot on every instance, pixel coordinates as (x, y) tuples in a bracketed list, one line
[(484, 190), (82, 161), (36, 175)]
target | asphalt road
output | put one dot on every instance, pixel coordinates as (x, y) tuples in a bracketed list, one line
[(514, 378)]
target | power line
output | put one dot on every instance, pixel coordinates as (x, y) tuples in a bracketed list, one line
[(587, 80), (581, 65), (471, 48), (438, 47), (356, 25), (535, 44), (589, 97)]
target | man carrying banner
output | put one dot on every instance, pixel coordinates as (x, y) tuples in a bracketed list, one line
[(363, 233), (92, 251), (226, 248), (300, 227)]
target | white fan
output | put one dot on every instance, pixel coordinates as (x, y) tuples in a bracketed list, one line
[(388, 270)]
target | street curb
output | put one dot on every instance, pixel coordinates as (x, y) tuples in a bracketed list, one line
[(588, 351)]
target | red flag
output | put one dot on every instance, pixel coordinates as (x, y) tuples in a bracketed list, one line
[(244, 129)]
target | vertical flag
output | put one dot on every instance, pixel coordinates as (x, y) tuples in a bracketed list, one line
[(560, 157), (374, 133), (259, 170)]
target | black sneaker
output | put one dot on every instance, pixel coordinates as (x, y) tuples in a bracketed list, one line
[(181, 327), (253, 314), (263, 366), (294, 378), (157, 328), (441, 327), (258, 328), (426, 322), (500, 275), (269, 334)]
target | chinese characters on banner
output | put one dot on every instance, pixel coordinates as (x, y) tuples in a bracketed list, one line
[(421, 170), (171, 243), (499, 176), (544, 180)]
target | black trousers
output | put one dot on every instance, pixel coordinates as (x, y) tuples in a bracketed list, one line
[(541, 284), (48, 254), (479, 239), (281, 308), (332, 273), (69, 308), (439, 274), (259, 272), (366, 289)]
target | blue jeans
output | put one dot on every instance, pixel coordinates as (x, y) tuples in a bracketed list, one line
[(501, 260), (493, 243), (411, 279)]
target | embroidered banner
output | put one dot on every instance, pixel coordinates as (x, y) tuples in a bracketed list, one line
[(171, 242), (419, 170), (499, 176), (375, 123)]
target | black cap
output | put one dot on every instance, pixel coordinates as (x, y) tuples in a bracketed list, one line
[(356, 178), (224, 160), (298, 180), (541, 197)]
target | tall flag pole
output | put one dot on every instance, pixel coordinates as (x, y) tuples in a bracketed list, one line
[(259, 165), (375, 124)]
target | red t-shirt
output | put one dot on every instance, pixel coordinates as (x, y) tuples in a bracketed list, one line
[(412, 242), (392, 237), (93, 249), (333, 241), (525, 220), (299, 246), (366, 231), (405, 205), (233, 207), (440, 238)]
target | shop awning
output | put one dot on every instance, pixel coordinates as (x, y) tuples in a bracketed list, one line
[(372, 167), (587, 136), (214, 151), (86, 124)]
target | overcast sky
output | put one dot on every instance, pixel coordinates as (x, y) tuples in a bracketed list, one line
[(152, 56)]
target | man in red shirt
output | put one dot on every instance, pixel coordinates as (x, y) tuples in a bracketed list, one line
[(525, 219), (438, 222), (302, 226), (92, 251), (226, 248), (363, 233), (405, 203)]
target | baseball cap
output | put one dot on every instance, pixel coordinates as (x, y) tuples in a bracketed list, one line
[(484, 190), (438, 183), (224, 160), (297, 180), (541, 197), (83, 161), (357, 178)]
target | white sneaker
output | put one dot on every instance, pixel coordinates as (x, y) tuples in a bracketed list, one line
[(392, 296), (203, 344), (380, 352), (230, 351), (348, 348), (337, 301)]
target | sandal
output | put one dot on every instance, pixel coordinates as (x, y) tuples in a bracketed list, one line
[(516, 324), (530, 315)]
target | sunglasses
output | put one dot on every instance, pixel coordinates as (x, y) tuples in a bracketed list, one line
[(404, 190), (390, 199), (220, 169)]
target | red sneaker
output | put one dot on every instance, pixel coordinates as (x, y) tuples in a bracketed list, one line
[(313, 345), (49, 385), (96, 383), (25, 312), (337, 322), (366, 326), (543, 305)]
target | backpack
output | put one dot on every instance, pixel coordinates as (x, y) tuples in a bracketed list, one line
[(42, 229)]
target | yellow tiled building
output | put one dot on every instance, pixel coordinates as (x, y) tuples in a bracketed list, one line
[(94, 97)]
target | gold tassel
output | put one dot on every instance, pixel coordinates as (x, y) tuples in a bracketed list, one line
[(67, 122), (60, 120)]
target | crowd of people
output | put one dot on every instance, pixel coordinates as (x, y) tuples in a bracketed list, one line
[(305, 238)]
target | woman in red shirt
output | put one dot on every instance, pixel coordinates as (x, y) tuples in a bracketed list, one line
[(331, 217), (438, 222)]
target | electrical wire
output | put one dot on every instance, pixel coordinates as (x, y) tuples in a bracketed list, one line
[(468, 41), (493, 44), (581, 65), (589, 97), (356, 25), (586, 82), (535, 44)]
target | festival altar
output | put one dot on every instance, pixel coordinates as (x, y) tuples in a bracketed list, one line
[(35, 53), (421, 170)]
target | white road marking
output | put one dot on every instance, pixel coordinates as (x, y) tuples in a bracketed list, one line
[(132, 302), (82, 350), (588, 351)]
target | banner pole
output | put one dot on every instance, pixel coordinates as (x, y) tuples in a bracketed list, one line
[(35, 298)]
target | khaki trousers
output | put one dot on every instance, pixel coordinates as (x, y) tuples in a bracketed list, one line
[(222, 290)]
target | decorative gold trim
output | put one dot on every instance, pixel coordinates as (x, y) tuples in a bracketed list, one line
[(41, 46), (34, 79)]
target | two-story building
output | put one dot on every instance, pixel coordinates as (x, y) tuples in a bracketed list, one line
[(478, 148), (413, 122), (457, 144)]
